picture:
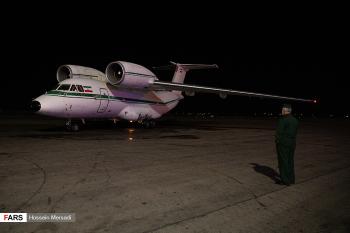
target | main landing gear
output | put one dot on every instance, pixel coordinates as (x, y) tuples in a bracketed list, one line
[(146, 121), (148, 124), (74, 125)]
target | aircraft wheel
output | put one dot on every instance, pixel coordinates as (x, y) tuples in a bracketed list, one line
[(149, 124), (146, 124), (152, 124), (75, 127), (68, 125), (72, 126)]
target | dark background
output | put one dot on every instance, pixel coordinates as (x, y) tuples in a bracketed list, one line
[(293, 51)]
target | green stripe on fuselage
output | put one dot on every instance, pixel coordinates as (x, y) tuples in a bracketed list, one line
[(101, 97)]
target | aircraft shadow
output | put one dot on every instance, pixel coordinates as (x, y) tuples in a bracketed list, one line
[(266, 171)]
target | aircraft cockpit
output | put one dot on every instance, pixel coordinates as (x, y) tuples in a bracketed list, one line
[(69, 87)]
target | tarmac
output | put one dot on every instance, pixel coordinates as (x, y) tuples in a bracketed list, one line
[(188, 174)]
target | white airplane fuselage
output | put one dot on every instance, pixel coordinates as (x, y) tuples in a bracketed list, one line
[(102, 100), (125, 91)]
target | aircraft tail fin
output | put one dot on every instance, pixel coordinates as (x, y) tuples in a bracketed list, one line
[(181, 69)]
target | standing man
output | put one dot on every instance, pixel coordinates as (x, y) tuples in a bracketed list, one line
[(285, 139)]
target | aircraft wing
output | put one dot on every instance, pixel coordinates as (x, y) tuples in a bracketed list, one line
[(191, 89)]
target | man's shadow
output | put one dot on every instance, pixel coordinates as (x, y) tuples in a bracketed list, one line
[(267, 171)]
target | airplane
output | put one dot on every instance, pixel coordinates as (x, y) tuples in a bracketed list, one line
[(126, 91)]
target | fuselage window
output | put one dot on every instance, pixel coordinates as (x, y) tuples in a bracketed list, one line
[(73, 88), (64, 87), (80, 88)]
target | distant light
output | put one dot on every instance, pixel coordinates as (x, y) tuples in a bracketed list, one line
[(315, 101), (130, 121), (346, 116), (130, 139)]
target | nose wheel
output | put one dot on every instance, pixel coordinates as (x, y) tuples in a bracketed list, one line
[(72, 126)]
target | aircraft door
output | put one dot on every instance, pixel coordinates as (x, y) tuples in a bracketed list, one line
[(104, 100)]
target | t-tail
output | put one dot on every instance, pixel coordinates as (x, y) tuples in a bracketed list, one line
[(181, 69)]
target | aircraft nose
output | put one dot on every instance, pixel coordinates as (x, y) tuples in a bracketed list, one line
[(35, 106)]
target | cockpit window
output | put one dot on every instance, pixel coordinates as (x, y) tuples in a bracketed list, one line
[(64, 87), (73, 88), (55, 88), (80, 88)]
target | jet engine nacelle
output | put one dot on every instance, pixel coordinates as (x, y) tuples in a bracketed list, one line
[(126, 74), (71, 71)]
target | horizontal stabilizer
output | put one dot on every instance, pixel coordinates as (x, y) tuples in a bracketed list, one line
[(186, 66)]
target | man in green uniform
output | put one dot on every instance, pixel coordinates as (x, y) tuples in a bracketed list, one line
[(285, 144)]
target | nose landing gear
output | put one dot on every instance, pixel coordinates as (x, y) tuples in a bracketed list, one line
[(74, 125)]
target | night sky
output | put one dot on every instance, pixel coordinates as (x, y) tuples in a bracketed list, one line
[(265, 54)]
